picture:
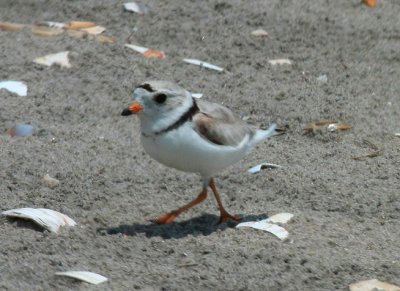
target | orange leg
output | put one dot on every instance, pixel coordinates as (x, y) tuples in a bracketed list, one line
[(224, 215), (170, 216)]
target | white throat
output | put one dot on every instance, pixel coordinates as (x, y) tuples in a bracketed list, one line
[(150, 125)]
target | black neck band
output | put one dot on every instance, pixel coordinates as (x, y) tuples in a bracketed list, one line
[(188, 115)]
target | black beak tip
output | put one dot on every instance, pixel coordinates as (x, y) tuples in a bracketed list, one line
[(126, 112)]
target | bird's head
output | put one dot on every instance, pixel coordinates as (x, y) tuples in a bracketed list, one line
[(158, 103)]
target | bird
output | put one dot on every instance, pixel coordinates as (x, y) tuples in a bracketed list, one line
[(191, 135)]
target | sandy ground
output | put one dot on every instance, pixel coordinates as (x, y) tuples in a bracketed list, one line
[(346, 223)]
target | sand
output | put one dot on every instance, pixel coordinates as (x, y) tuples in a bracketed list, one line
[(346, 212)]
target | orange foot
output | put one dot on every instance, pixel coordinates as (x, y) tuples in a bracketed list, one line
[(225, 216), (165, 218)]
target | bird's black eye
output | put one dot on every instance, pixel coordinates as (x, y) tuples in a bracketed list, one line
[(160, 98)]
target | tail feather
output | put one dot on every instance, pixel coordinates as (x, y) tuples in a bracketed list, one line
[(260, 134)]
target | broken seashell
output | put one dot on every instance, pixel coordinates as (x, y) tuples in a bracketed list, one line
[(89, 277), (105, 38), (276, 230), (46, 218), (9, 26), (60, 59), (51, 24), (94, 30), (203, 64), (338, 126), (136, 7), (369, 3), (21, 130), (50, 182), (145, 51), (322, 79), (262, 166), (281, 218), (46, 31), (280, 62), (79, 24), (372, 285), (259, 33), (16, 87)]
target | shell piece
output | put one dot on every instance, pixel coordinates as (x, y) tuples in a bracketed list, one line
[(259, 33), (106, 38), (276, 230), (21, 129), (79, 24), (262, 166), (51, 24), (322, 78), (203, 64), (372, 285), (137, 48), (136, 7), (9, 26), (46, 218), (145, 51), (46, 31), (281, 218), (60, 59), (94, 29), (50, 182), (280, 62), (338, 126), (17, 87), (369, 3), (89, 277)]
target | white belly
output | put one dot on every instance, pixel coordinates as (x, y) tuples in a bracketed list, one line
[(185, 150)]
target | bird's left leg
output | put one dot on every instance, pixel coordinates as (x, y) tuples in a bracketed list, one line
[(224, 215), (170, 216)]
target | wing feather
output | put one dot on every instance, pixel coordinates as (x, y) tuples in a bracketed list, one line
[(218, 125)]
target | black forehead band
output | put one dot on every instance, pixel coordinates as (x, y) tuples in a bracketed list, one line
[(147, 87)]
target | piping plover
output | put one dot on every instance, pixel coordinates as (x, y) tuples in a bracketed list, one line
[(192, 136)]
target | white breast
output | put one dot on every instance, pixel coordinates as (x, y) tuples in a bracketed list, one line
[(184, 149)]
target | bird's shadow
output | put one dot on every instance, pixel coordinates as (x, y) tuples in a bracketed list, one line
[(203, 225)]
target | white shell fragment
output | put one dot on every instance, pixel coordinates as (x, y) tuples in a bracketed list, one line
[(372, 285), (17, 87), (137, 48), (52, 24), (89, 277), (203, 64), (50, 182), (21, 129), (60, 59), (146, 51), (259, 33), (136, 7), (281, 218), (397, 134), (332, 127), (280, 62), (46, 218), (263, 166), (322, 79), (197, 95), (95, 30), (276, 230)]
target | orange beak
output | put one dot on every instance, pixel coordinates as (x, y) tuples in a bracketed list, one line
[(135, 107)]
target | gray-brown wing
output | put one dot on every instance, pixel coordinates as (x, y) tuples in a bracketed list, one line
[(218, 124)]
